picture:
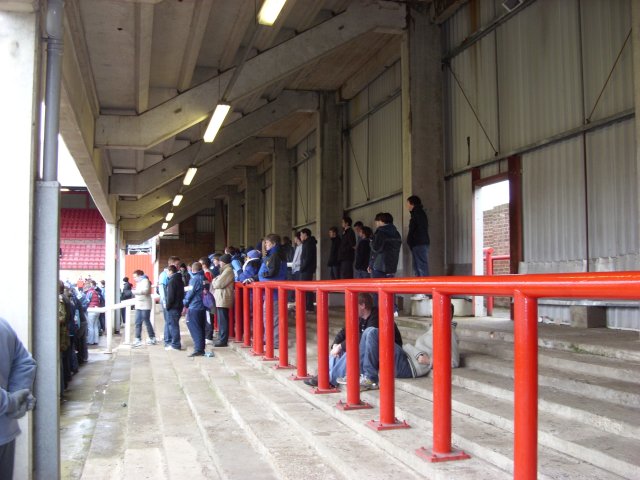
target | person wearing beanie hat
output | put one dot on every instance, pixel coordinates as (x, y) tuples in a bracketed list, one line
[(253, 254), (223, 294), (250, 268)]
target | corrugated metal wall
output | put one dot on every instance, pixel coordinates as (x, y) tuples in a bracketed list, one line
[(373, 176), (539, 75), (304, 188)]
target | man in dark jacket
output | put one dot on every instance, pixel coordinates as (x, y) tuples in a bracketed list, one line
[(385, 247), (308, 262), (418, 236), (274, 267), (174, 298), (196, 316), (346, 251), (333, 263), (363, 252)]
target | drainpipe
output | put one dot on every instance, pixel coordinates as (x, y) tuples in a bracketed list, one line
[(46, 451)]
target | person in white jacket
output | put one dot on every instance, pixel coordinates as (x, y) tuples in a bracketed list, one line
[(223, 293), (144, 303)]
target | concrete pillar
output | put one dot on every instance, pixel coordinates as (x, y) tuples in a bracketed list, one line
[(251, 210), (220, 227), (234, 227), (281, 180), (422, 130), (329, 185), (635, 43), (19, 137)]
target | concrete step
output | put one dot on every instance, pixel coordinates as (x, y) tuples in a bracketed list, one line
[(397, 444), (589, 386), (192, 410), (558, 434), (580, 363), (351, 456)]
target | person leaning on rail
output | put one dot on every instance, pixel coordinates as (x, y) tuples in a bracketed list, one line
[(411, 361)]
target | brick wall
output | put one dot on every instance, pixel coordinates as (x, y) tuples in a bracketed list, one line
[(496, 236)]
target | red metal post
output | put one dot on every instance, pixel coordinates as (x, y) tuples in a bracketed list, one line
[(301, 336), (246, 311), (237, 307), (322, 303), (283, 329), (441, 450), (353, 357), (268, 324), (525, 398), (488, 258), (386, 372), (257, 322)]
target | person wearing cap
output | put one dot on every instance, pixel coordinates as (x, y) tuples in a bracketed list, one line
[(223, 293)]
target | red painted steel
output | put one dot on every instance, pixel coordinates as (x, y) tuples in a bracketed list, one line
[(238, 313), (525, 392), (268, 324), (322, 325), (246, 310), (257, 321), (526, 289), (301, 336)]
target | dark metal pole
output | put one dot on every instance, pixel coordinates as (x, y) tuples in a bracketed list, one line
[(46, 452)]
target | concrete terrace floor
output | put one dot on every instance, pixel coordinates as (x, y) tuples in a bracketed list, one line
[(124, 416)]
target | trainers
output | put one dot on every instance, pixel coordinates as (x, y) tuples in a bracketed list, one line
[(367, 383), (137, 343), (341, 380), (395, 314), (208, 342), (312, 382), (152, 341), (419, 296), (167, 347)]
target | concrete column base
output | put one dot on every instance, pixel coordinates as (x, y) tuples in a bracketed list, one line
[(583, 316)]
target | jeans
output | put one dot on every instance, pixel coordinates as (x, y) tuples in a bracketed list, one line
[(276, 332), (379, 274), (337, 367), (173, 317), (208, 324), (346, 269), (370, 357), (223, 325), (195, 321), (81, 339), (144, 316), (420, 254), (361, 274), (7, 452), (167, 327), (307, 277), (334, 272), (93, 328), (291, 294)]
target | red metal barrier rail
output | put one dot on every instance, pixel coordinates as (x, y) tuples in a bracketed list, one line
[(525, 289), (490, 259)]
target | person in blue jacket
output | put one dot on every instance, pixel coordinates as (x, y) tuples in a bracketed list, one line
[(17, 373), (274, 267), (196, 316)]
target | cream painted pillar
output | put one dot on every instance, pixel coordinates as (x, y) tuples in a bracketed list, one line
[(234, 227), (281, 181), (19, 137), (220, 227), (635, 43), (251, 210), (329, 186), (422, 130)]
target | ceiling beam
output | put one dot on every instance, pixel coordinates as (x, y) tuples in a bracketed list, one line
[(200, 153), (144, 38), (209, 172), (198, 27), (193, 106)]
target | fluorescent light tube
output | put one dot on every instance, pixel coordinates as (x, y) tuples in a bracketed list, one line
[(217, 118), (270, 11), (177, 200), (164, 226), (169, 216), (188, 178), (160, 234)]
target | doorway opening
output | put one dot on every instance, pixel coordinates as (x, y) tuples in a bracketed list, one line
[(492, 242)]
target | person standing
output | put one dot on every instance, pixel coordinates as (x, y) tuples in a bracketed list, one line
[(385, 249), (174, 298), (92, 299), (223, 293), (144, 303), (363, 252), (163, 282), (333, 263), (17, 373), (126, 294), (273, 268), (308, 261), (196, 317), (347, 250), (418, 236)]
